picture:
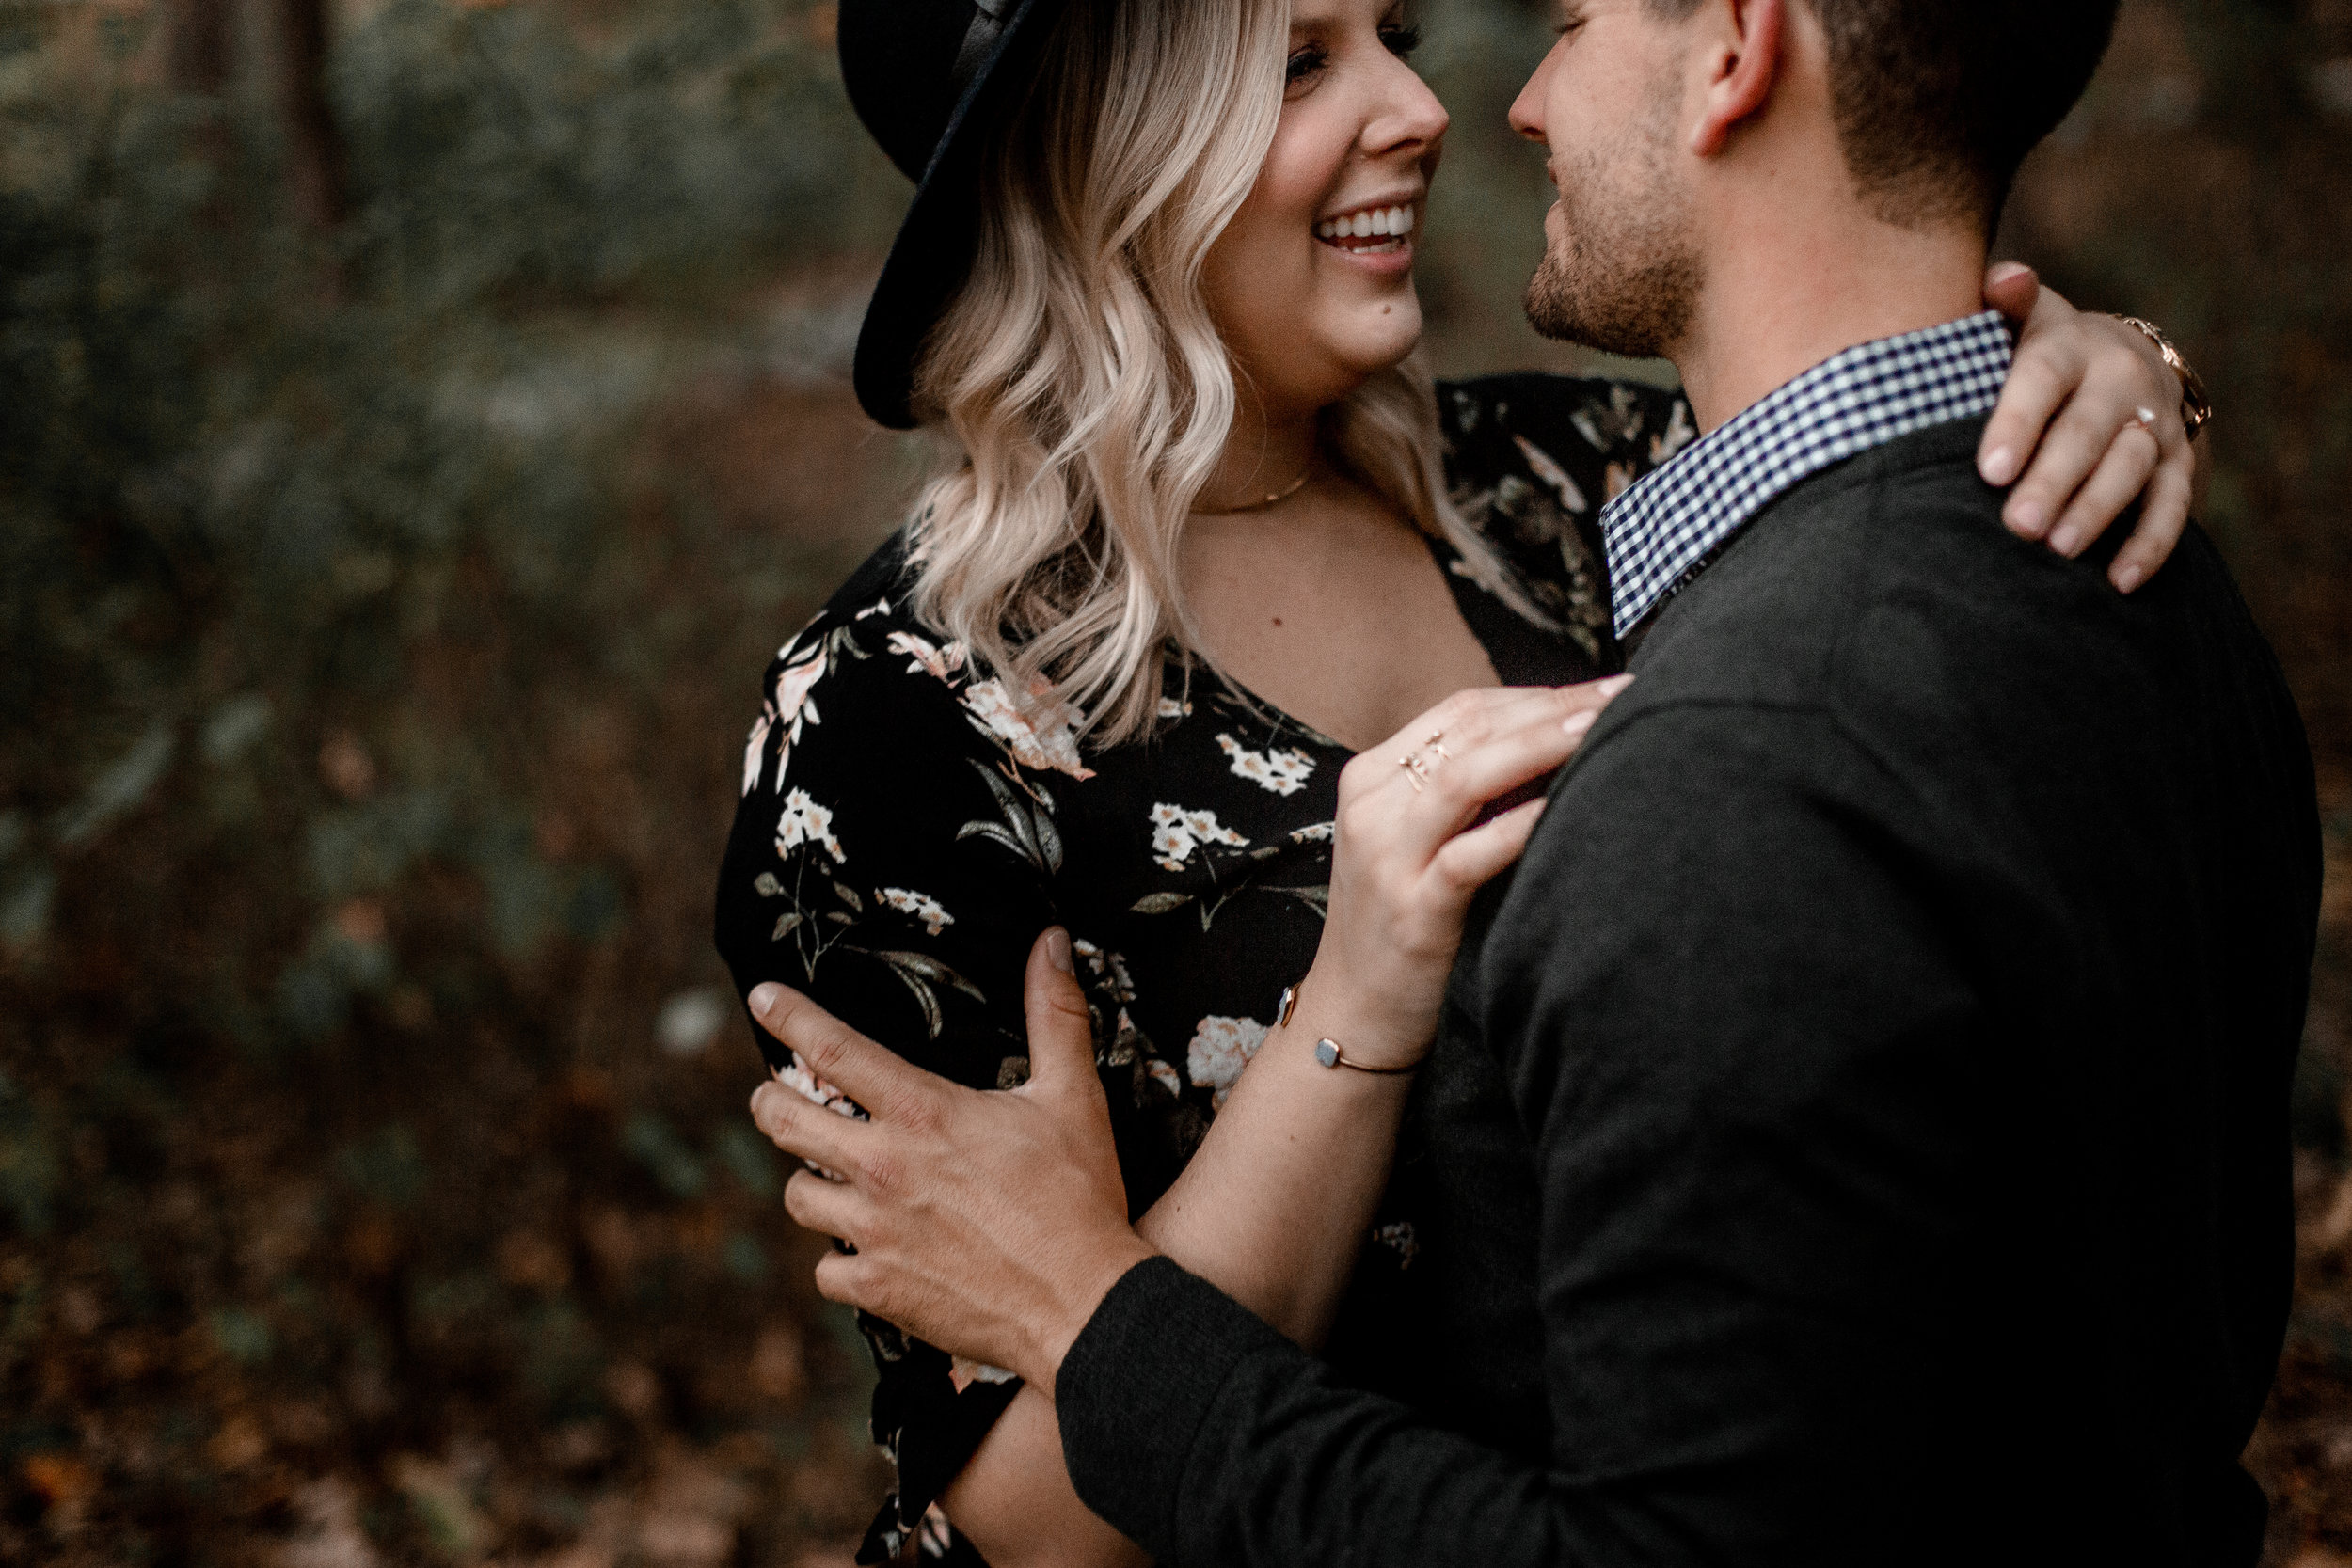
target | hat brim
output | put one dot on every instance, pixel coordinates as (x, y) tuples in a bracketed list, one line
[(932, 254)]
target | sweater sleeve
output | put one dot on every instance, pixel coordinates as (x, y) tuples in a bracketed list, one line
[(1739, 1046), (893, 857)]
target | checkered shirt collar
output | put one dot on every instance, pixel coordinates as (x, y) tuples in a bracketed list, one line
[(1664, 528)]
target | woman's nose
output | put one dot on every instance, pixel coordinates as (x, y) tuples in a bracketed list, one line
[(1408, 113)]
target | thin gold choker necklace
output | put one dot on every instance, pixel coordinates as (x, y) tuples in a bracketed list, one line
[(1285, 493)]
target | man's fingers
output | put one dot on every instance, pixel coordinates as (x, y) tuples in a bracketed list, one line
[(847, 1279), (828, 1208), (799, 1127), (1061, 1030), (865, 1072), (2117, 482)]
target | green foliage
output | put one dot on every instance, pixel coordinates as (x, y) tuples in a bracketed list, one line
[(29, 1167), (496, 153), (387, 1167), (244, 1337), (653, 1144)]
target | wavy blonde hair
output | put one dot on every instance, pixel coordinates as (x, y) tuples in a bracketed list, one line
[(1080, 374)]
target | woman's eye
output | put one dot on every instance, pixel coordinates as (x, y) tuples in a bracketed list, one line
[(1305, 63), (1400, 40)]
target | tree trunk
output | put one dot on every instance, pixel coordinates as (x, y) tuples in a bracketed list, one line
[(312, 140), (201, 36)]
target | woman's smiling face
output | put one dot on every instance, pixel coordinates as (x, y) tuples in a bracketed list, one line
[(1311, 283)]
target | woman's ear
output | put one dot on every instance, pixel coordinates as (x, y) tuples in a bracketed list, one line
[(1742, 64)]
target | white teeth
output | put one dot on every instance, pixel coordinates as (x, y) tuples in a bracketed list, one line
[(1386, 221)]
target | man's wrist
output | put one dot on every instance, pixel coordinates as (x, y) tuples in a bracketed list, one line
[(1090, 1278)]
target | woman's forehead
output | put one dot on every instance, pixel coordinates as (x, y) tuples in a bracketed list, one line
[(1310, 14)]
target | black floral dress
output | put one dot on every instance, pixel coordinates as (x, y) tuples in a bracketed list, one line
[(905, 832)]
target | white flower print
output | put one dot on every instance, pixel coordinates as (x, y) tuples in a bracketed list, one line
[(1220, 1048), (922, 906), (1678, 435), (755, 748), (1283, 771), (1315, 832), (1176, 832), (879, 607), (944, 662), (1165, 1076), (936, 1536), (1400, 1236), (804, 821), (1171, 708), (964, 1372), (1053, 746), (791, 709), (806, 1083), (1539, 463), (1108, 969)]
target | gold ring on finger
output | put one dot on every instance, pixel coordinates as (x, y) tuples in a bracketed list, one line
[(1415, 769), (1437, 743)]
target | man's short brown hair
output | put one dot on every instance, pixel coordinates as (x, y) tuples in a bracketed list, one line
[(1938, 103)]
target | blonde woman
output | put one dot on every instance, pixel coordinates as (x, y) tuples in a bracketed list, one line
[(1210, 558)]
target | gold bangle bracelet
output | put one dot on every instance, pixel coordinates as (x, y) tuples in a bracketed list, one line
[(1328, 1051), (2195, 407)]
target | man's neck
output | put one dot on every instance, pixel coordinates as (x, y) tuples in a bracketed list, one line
[(1784, 297)]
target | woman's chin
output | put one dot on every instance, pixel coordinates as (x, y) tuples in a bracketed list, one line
[(1337, 355), (1384, 336)]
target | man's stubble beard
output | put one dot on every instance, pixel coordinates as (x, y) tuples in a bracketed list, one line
[(1624, 276)]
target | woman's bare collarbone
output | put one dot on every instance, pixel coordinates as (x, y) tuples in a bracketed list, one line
[(1331, 610)]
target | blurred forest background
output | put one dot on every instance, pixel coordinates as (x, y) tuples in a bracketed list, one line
[(420, 420)]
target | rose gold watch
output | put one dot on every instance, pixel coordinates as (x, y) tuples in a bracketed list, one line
[(2195, 407)]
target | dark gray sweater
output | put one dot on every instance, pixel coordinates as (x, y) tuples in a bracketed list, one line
[(1862, 1134)]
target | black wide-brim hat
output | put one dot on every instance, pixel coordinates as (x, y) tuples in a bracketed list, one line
[(931, 79)]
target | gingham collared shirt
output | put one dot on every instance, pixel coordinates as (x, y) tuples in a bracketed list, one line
[(1661, 529)]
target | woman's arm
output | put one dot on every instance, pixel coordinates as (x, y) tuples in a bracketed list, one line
[(1275, 1204), (887, 861)]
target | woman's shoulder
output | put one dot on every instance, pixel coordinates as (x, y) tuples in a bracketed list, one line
[(1582, 437), (868, 685), (1530, 459)]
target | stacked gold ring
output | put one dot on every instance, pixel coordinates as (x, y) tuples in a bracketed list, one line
[(1417, 767)]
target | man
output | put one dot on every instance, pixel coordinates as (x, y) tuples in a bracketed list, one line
[(1895, 1009)]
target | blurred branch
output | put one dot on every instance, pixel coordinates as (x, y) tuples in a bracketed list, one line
[(313, 136), (200, 36)]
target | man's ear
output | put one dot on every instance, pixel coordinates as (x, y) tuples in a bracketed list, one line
[(1744, 62)]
